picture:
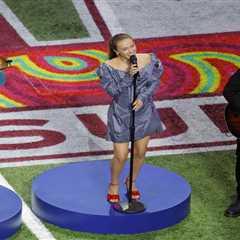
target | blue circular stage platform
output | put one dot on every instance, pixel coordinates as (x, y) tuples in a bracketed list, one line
[(10, 213), (73, 196)]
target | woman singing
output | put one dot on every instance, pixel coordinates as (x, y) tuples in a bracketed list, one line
[(116, 76)]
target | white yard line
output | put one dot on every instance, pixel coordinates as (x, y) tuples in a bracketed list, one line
[(109, 16), (88, 22), (31, 221)]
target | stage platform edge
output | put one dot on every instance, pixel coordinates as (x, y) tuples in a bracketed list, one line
[(73, 196), (10, 213)]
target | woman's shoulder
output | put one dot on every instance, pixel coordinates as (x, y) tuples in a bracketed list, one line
[(105, 65), (144, 59), (101, 69), (110, 64), (147, 57), (107, 68), (109, 61)]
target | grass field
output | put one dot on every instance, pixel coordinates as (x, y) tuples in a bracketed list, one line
[(211, 176), (56, 19)]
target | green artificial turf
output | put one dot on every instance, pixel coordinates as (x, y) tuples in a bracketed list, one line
[(23, 234), (49, 19), (211, 176)]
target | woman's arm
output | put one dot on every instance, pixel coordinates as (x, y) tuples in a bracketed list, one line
[(108, 82), (148, 89)]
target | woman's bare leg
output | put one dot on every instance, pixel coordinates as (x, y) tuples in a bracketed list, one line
[(119, 158), (140, 148)]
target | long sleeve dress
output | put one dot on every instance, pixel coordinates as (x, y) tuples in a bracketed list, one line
[(119, 85)]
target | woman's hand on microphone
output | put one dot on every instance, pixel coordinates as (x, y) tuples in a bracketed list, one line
[(137, 104), (133, 69)]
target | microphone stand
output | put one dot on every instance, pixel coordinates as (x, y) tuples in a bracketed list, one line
[(132, 206)]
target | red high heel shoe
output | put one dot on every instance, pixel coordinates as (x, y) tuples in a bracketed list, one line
[(135, 193), (113, 198)]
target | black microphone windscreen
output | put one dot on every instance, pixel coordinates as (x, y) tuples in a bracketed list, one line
[(133, 59)]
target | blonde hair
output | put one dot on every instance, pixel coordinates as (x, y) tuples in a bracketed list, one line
[(112, 45)]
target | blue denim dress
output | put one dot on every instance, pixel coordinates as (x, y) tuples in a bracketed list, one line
[(119, 84)]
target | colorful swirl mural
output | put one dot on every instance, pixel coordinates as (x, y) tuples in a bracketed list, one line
[(55, 76), (210, 78), (74, 68)]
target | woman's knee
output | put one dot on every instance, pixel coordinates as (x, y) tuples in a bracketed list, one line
[(139, 153), (120, 158), (121, 152)]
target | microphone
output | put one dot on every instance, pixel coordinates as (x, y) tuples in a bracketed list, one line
[(133, 60)]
